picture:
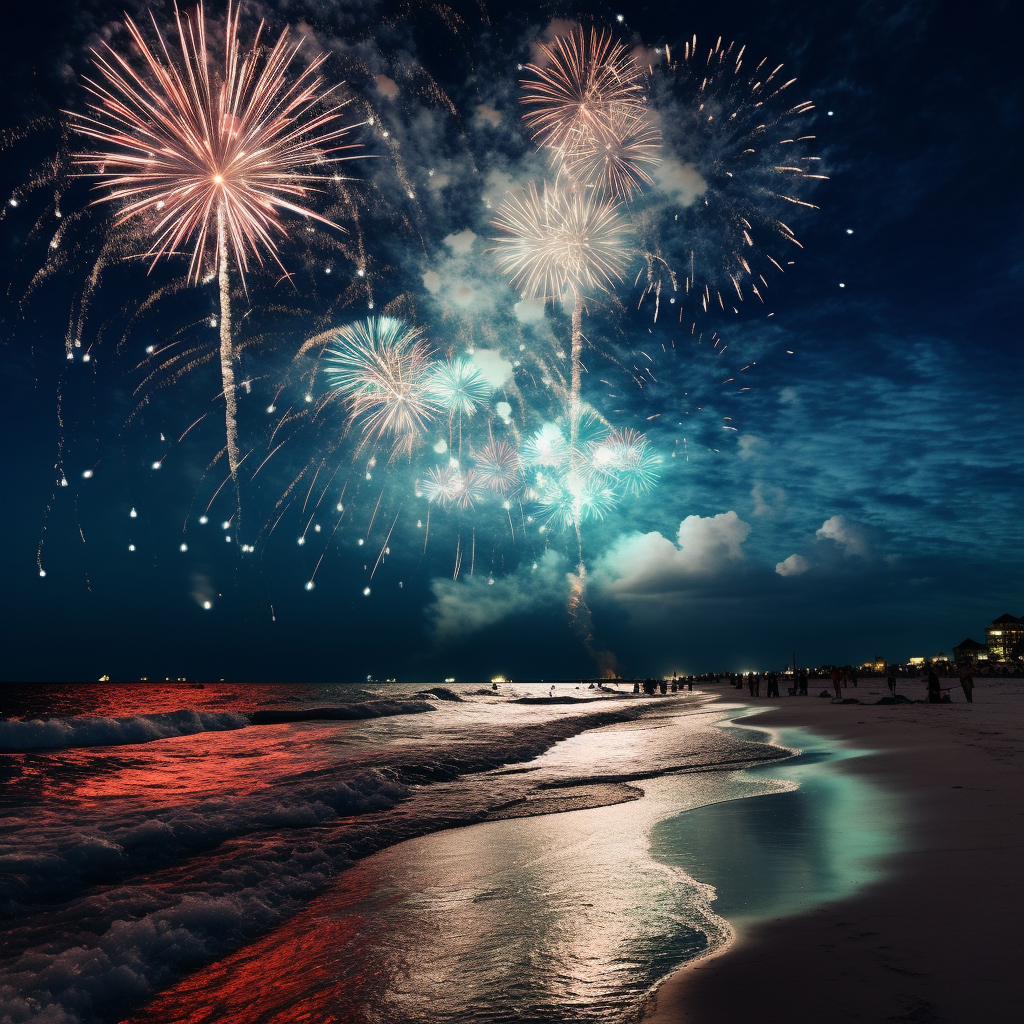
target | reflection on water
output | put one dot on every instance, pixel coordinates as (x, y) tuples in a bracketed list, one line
[(554, 918), (793, 850)]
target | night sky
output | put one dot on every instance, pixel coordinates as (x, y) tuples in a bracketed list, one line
[(840, 470)]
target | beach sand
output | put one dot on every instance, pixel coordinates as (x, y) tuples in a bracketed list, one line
[(939, 938)]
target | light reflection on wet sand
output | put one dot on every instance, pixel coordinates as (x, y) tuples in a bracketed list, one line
[(562, 917)]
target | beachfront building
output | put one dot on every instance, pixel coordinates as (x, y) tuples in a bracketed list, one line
[(1005, 640), (970, 651)]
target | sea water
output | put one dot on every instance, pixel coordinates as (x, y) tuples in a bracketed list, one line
[(351, 854)]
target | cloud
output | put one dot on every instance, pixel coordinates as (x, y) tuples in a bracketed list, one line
[(487, 115), (529, 311), (556, 27), (495, 368), (648, 57), (851, 537), (795, 565), (432, 281), (460, 243), (683, 182), (645, 564), (463, 607), (750, 445), (768, 500), (387, 87)]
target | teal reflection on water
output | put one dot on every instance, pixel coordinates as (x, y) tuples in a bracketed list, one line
[(785, 850)]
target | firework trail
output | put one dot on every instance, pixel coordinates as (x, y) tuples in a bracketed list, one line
[(559, 241), (210, 155)]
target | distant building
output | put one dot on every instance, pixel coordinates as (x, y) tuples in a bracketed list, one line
[(1005, 640), (970, 651)]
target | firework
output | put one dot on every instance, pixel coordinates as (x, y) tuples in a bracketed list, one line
[(381, 368), (557, 240), (498, 466), (209, 155), (547, 447), (452, 486), (458, 387), (617, 158), (626, 457), (736, 137), (587, 106), (585, 80), (569, 500)]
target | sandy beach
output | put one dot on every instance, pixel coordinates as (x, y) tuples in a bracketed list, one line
[(938, 939)]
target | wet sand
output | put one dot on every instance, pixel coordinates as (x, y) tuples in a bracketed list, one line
[(938, 940)]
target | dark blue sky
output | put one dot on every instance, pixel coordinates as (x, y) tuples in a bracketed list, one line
[(844, 481)]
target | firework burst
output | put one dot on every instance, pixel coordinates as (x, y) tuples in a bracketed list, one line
[(743, 144), (617, 159), (498, 466), (381, 368), (559, 239), (586, 105), (584, 81), (458, 387), (209, 155)]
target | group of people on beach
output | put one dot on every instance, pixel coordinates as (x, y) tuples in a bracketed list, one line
[(938, 695)]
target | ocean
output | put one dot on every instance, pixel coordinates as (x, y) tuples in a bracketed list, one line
[(373, 853)]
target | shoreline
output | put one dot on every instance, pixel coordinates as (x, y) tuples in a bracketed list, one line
[(935, 938)]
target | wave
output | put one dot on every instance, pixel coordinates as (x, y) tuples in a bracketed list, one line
[(21, 736), (345, 712), (140, 898), (17, 736)]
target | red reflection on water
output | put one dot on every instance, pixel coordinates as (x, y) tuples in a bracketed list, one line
[(119, 700), (310, 969), (181, 770)]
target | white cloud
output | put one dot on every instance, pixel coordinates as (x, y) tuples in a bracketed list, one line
[(795, 565), (493, 365), (682, 182), (460, 243), (529, 311), (463, 607), (649, 563), (768, 500), (432, 281), (789, 395), (851, 537), (498, 184)]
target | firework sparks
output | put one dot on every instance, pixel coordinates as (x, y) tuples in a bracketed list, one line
[(498, 466), (381, 367), (557, 240), (209, 155), (586, 104), (458, 387), (618, 158), (733, 132), (585, 79)]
